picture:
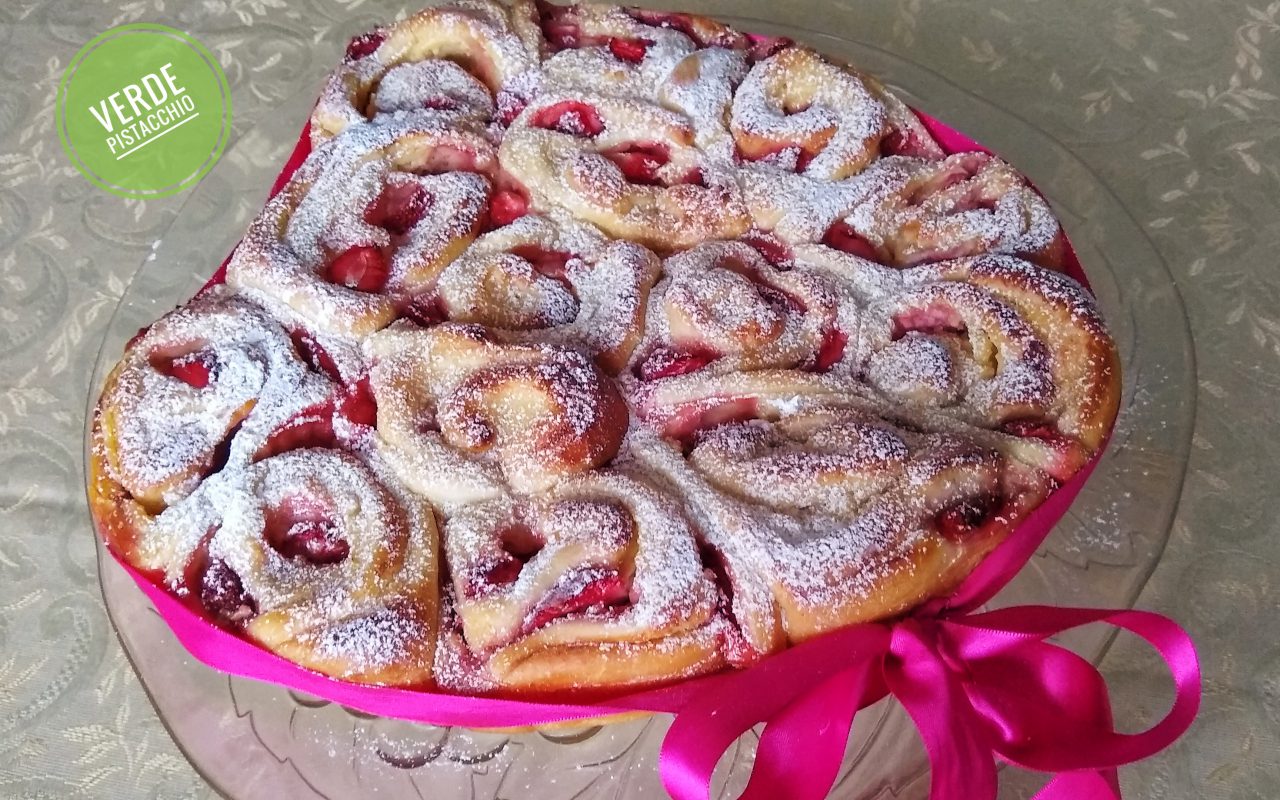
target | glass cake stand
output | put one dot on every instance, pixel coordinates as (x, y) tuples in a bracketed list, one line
[(251, 740)]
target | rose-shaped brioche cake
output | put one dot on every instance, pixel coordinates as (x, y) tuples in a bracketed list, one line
[(675, 345)]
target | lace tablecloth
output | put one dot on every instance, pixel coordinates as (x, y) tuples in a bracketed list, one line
[(1173, 103)]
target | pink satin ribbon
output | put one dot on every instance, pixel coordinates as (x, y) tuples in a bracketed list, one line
[(979, 687)]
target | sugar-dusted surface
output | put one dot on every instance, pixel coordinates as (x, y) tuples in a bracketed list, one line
[(839, 438)]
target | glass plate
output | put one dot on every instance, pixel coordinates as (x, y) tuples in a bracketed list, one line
[(252, 740)]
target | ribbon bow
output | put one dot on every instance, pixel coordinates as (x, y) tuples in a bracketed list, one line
[(977, 686)]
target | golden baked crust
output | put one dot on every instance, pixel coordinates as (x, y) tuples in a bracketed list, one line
[(597, 347)]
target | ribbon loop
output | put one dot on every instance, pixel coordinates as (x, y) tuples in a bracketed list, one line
[(978, 687)]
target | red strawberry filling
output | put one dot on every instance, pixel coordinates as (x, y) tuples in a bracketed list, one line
[(959, 520), (310, 428), (666, 362), (841, 236), (640, 161), (569, 116), (519, 545), (903, 143), (363, 268), (764, 46), (315, 355), (831, 350), (364, 44), (446, 158), (774, 250), (938, 318), (505, 207), (398, 207), (716, 568), (196, 370), (692, 419), (426, 310), (358, 405), (1032, 429), (685, 24), (559, 24), (598, 586), (223, 595), (551, 263), (440, 102), (778, 150), (317, 541), (631, 51), (783, 301)]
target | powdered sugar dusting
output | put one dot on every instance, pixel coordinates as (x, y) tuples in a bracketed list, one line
[(692, 347)]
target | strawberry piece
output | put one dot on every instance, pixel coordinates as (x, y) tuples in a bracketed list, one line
[(509, 107), (841, 236), (313, 353), (831, 350), (194, 369), (960, 519), (563, 600), (684, 24), (312, 427), (774, 250), (440, 103), (548, 262), (779, 299), (631, 51), (426, 310), (503, 573), (223, 595), (364, 44), (935, 319), (506, 206), (359, 405), (764, 46), (693, 177), (640, 161), (519, 544), (362, 268), (569, 116), (694, 418), (716, 567), (1032, 429), (666, 362), (559, 24), (398, 207), (316, 541)]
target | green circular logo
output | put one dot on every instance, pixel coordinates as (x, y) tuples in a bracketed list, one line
[(144, 111)]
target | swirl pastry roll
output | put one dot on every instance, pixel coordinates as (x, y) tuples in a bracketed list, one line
[(1004, 345), (469, 61), (367, 221), (596, 583), (723, 307), (553, 280), (315, 556), (917, 210), (462, 412), (629, 167), (817, 514), (215, 383)]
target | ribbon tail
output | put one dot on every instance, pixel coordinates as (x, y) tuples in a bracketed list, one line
[(1081, 785), (962, 765), (801, 750), (843, 674)]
